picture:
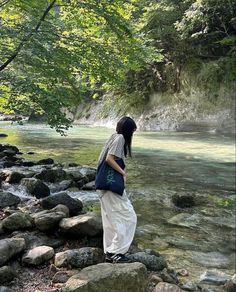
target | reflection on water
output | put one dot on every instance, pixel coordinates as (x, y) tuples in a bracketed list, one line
[(164, 164)]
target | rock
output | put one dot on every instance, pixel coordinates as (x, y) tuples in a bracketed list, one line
[(28, 163), (38, 255), (79, 258), (151, 261), (8, 199), (166, 287), (109, 277), (61, 186), (36, 187), (186, 220), (17, 221), (74, 205), (5, 289), (190, 286), (169, 276), (12, 177), (37, 238), (89, 224), (214, 277), (61, 277), (6, 274), (10, 247), (61, 208), (45, 161), (155, 279), (3, 135), (183, 201), (48, 219), (88, 172), (211, 259), (230, 285), (51, 175), (89, 186), (74, 173)]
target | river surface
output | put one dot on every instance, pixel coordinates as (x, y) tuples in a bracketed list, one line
[(164, 164)]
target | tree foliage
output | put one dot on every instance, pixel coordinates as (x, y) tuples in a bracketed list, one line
[(52, 53)]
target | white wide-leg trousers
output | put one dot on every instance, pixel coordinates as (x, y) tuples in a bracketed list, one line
[(119, 222)]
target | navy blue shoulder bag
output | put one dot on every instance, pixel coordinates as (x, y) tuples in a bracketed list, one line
[(107, 178)]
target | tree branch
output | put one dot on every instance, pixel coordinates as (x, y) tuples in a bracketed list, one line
[(27, 37)]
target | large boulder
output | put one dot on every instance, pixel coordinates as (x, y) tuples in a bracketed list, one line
[(79, 258), (89, 224), (51, 175), (36, 187), (9, 248), (74, 205), (16, 221), (109, 277), (38, 255), (8, 199)]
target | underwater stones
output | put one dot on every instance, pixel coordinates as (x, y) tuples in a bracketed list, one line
[(12, 177), (36, 187), (45, 161), (74, 205), (10, 247), (109, 277), (38, 255), (214, 277), (186, 220), (79, 258), (8, 199), (211, 259)]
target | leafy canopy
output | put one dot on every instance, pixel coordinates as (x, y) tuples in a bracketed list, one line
[(53, 53)]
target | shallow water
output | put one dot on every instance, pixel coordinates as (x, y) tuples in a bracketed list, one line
[(163, 164)]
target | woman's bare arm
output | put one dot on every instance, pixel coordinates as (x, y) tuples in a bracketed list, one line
[(110, 159)]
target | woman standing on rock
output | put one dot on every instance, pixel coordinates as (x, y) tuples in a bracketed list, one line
[(118, 216)]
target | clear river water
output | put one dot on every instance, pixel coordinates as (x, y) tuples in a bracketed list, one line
[(164, 164)]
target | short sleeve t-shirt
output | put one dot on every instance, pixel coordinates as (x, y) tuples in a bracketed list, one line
[(114, 146)]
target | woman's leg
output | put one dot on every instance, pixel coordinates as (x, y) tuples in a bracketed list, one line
[(119, 222)]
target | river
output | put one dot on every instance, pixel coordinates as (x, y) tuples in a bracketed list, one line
[(164, 165)]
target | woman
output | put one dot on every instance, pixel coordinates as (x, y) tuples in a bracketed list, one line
[(118, 216)]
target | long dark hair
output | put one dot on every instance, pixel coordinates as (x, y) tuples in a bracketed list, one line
[(126, 126)]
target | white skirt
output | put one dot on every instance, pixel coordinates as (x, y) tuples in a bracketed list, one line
[(119, 222)]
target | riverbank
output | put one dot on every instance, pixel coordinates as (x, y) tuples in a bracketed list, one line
[(28, 219)]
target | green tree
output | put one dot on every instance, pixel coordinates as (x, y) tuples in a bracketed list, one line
[(54, 52)]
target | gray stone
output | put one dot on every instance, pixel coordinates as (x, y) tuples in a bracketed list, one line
[(89, 224), (74, 205), (45, 161), (89, 186), (166, 287), (38, 255), (8, 199), (10, 247), (79, 258), (5, 289), (211, 259), (190, 286), (17, 221), (47, 220), (6, 274), (152, 262), (214, 277), (36, 187), (37, 238), (51, 175), (88, 172), (109, 277), (11, 176)]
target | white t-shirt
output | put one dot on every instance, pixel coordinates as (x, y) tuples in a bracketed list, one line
[(114, 146)]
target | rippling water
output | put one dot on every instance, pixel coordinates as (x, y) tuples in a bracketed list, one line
[(164, 164)]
